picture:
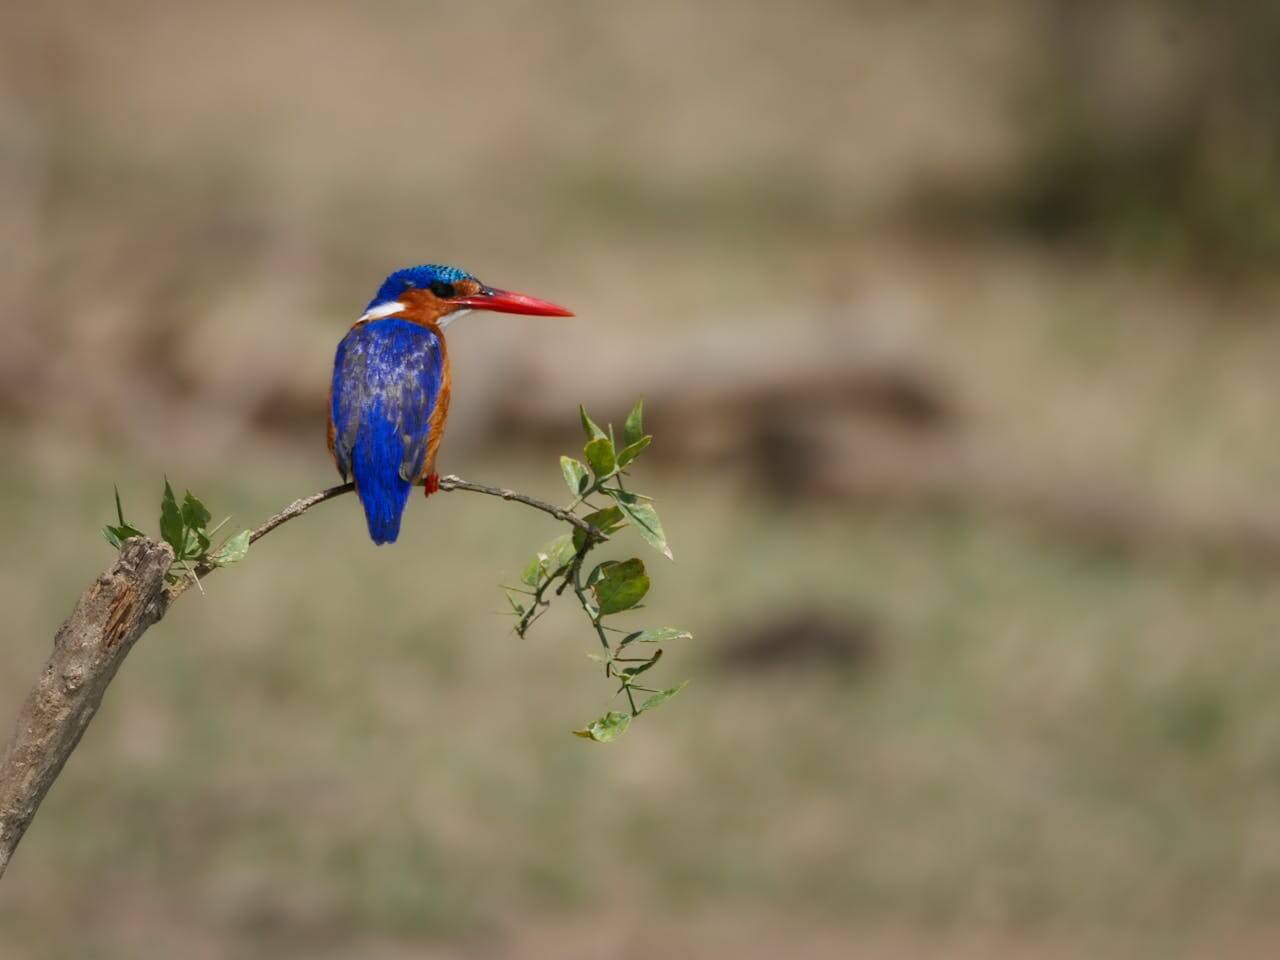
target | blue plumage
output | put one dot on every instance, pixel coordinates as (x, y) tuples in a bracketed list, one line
[(416, 277), (387, 377)]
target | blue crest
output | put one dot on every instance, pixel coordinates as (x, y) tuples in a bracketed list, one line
[(416, 277)]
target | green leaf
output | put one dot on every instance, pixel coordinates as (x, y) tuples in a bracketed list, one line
[(644, 518), (171, 526), (609, 727), (557, 553), (606, 521), (627, 496), (197, 543), (630, 672), (633, 429), (233, 551), (656, 635), (621, 586), (516, 605), (660, 698), (633, 450), (597, 572), (548, 560), (116, 536), (575, 475), (588, 425), (599, 453), (532, 572), (194, 513)]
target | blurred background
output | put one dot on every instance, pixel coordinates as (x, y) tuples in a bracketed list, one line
[(956, 326)]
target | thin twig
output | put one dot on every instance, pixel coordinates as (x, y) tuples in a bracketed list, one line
[(575, 578), (452, 482), (449, 483), (298, 508), (295, 509)]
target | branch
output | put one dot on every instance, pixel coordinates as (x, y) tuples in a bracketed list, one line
[(457, 483), (109, 618), (451, 482), (298, 508)]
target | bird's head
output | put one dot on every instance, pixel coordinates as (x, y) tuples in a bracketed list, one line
[(437, 294)]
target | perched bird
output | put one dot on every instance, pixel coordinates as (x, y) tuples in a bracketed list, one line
[(389, 398)]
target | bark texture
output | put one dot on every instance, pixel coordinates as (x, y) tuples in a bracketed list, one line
[(89, 647)]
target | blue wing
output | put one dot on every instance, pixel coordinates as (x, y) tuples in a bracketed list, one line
[(386, 382)]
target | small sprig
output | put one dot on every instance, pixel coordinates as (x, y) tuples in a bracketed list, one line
[(185, 527), (611, 586)]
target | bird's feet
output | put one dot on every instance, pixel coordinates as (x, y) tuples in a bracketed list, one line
[(431, 484)]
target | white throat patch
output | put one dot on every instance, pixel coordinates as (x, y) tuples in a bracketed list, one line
[(381, 310), (392, 307)]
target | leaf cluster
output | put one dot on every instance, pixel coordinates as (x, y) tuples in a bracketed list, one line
[(610, 587), (185, 527)]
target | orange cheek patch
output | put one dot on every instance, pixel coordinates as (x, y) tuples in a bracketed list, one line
[(423, 306)]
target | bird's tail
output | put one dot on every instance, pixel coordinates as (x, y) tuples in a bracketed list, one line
[(375, 465)]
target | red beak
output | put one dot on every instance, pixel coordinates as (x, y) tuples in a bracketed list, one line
[(504, 301)]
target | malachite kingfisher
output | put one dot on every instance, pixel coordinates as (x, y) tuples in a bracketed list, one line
[(389, 398)]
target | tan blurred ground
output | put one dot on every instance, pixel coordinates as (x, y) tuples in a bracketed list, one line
[(956, 327)]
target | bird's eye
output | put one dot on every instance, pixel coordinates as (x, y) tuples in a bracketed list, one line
[(442, 290)]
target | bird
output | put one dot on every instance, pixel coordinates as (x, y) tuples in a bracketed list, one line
[(389, 397)]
